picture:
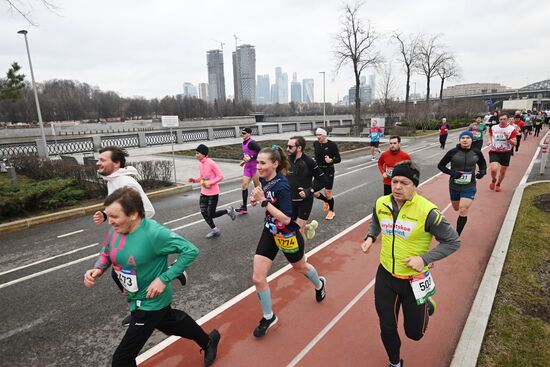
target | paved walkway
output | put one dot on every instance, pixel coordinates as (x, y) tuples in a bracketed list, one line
[(343, 330)]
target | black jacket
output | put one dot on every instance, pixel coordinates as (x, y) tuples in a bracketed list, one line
[(463, 167)]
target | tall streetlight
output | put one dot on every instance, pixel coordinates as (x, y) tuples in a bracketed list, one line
[(24, 33), (324, 106)]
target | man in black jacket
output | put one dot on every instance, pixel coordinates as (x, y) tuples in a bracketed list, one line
[(462, 181), (326, 156), (302, 170)]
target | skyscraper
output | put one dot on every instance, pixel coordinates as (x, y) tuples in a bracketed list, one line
[(216, 78), (189, 90), (263, 92), (295, 90), (372, 85), (307, 90), (203, 91), (274, 94), (244, 73), (281, 81)]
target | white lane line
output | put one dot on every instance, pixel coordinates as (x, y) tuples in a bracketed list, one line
[(446, 208), (70, 233), (198, 213), (49, 258), (19, 280), (188, 225), (330, 325)]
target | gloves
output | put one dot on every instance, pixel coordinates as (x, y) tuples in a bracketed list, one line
[(480, 174), (455, 174)]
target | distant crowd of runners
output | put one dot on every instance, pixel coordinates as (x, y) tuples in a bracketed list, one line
[(286, 182)]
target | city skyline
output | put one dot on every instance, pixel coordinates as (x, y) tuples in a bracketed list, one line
[(164, 45)]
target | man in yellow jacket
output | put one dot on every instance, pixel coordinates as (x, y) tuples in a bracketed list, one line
[(407, 222)]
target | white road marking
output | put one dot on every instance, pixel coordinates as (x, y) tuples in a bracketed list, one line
[(70, 233), (30, 276), (198, 213), (49, 258)]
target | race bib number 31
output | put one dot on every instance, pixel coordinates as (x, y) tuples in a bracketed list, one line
[(465, 179), (288, 244), (128, 279), (423, 287)]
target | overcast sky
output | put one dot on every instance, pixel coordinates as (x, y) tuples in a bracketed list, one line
[(149, 48)]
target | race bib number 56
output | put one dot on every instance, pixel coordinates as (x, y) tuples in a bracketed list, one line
[(423, 286)]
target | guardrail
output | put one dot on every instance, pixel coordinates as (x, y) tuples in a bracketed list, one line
[(143, 139)]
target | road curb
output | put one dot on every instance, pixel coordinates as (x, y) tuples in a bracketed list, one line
[(57, 216), (468, 348)]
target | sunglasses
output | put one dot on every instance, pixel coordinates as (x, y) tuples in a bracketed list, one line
[(290, 146)]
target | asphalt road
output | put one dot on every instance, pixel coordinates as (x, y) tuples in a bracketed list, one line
[(50, 319)]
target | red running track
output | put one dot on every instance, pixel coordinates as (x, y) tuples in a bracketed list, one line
[(343, 330)]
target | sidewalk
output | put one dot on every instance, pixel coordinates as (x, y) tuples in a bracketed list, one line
[(343, 330)]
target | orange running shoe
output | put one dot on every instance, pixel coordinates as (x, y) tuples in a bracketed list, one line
[(330, 215), (325, 206)]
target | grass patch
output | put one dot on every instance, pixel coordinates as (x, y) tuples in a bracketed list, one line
[(234, 151), (21, 179), (518, 333)]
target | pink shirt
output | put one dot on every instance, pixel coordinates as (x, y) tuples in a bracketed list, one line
[(209, 170)]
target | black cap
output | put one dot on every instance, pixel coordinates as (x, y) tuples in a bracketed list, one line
[(202, 149), (246, 130)]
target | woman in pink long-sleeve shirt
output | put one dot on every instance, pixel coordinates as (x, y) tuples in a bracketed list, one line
[(210, 176)]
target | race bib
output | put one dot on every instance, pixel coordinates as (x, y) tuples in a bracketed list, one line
[(128, 278), (423, 287), (389, 171), (477, 135), (465, 179), (500, 137), (287, 243)]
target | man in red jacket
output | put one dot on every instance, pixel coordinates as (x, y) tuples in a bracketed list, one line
[(389, 159)]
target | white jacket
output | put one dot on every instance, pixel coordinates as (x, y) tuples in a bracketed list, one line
[(127, 177)]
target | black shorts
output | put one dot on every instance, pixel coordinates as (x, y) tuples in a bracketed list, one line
[(500, 157), (268, 248), (374, 144), (302, 209), (329, 176), (478, 144)]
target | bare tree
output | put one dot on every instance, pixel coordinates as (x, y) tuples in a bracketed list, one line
[(24, 8), (408, 49), (355, 44), (386, 91), (447, 70), (431, 55)]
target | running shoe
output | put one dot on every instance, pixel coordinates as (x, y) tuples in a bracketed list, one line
[(320, 294), (498, 189), (127, 320), (310, 229), (265, 325), (393, 365), (213, 233), (182, 278), (492, 185), (212, 349), (242, 210), (231, 212), (330, 215), (325, 206), (432, 306)]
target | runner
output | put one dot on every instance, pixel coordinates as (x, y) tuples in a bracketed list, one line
[(138, 249), (279, 232), (405, 256), (375, 133), (389, 159), (300, 175), (111, 166), (478, 129), (326, 156), (250, 152), (210, 176), (493, 120), (443, 133), (462, 181), (502, 139), (538, 123), (520, 128)]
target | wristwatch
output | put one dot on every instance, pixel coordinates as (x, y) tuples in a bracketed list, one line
[(265, 202)]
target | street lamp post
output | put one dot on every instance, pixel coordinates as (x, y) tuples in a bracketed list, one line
[(324, 106), (45, 146)]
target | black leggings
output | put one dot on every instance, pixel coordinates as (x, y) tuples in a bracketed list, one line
[(208, 206), (518, 140), (537, 129), (442, 140), (390, 294), (167, 320)]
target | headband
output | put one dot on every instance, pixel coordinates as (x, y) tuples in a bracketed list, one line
[(406, 171)]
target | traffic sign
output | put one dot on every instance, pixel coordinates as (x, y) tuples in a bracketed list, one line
[(170, 121)]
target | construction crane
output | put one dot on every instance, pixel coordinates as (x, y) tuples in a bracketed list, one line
[(220, 42)]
